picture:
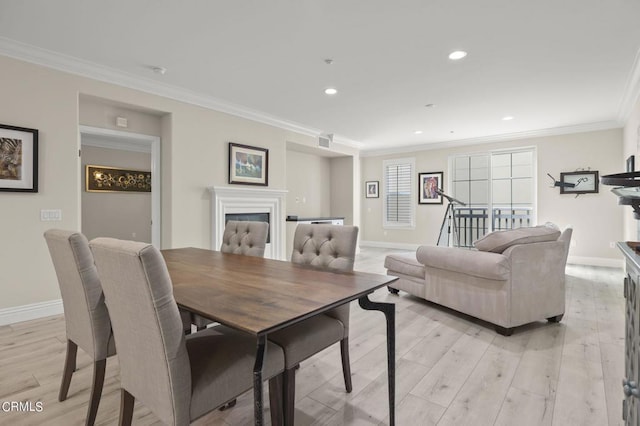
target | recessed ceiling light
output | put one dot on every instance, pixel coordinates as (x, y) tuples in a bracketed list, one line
[(507, 118), (430, 105), (417, 132), (328, 61), (458, 54), (330, 91), (159, 70)]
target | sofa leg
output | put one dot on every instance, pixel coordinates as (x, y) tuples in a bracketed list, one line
[(504, 331), (557, 318), (393, 290)]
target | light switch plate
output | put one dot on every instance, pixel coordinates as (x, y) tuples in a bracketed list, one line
[(54, 215)]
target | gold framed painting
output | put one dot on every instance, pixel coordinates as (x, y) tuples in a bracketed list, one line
[(112, 179)]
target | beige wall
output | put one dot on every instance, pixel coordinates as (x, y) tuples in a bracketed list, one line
[(308, 178), (124, 215), (98, 112), (319, 186), (631, 147), (596, 218), (194, 157), (342, 188)]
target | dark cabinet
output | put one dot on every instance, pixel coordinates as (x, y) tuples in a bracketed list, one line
[(631, 380)]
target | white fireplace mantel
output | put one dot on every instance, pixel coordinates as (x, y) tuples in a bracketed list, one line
[(226, 199)]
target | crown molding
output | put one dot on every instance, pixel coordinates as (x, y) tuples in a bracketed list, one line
[(429, 146), (631, 93), (73, 65)]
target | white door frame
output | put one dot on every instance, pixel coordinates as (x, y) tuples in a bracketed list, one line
[(128, 140)]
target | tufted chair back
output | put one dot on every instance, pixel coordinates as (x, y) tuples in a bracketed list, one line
[(245, 237), (325, 246), (331, 247)]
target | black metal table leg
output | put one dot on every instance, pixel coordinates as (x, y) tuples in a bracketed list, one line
[(389, 310), (257, 381)]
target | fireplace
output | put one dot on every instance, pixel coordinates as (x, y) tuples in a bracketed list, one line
[(230, 202)]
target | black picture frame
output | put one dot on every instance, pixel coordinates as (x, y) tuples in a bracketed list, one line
[(248, 165), (18, 169), (428, 183), (586, 182), (372, 189), (631, 164)]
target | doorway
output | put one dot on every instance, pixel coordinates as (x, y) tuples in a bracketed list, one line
[(136, 145)]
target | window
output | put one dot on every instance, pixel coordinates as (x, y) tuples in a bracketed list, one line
[(498, 189), (398, 190)]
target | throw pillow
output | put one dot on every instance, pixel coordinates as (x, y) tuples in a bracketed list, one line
[(499, 241)]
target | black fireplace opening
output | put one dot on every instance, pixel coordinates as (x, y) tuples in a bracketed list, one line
[(250, 217)]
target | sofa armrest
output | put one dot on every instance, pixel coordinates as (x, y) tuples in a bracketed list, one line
[(537, 280), (493, 266)]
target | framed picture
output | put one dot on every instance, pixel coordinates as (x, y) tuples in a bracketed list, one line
[(631, 164), (18, 159), (248, 165), (428, 186), (586, 182), (371, 189), (111, 179)]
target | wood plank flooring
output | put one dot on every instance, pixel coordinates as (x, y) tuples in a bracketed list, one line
[(451, 369)]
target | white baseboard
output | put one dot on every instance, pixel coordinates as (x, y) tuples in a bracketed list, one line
[(30, 312), (596, 261), (384, 244)]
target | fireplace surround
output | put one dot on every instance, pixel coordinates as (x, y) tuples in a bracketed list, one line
[(232, 200)]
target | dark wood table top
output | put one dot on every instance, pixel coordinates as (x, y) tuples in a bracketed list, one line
[(260, 295)]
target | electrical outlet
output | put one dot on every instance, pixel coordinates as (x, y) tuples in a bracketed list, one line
[(612, 245)]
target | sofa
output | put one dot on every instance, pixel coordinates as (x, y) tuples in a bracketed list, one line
[(510, 278)]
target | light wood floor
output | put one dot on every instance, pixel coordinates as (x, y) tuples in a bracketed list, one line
[(451, 369)]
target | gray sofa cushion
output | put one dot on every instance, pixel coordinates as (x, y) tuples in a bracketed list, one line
[(499, 241), (492, 266), (404, 263)]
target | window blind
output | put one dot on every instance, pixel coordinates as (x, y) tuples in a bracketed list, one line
[(399, 207)]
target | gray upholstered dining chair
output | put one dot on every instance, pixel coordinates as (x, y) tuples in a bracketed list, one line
[(245, 237), (240, 237), (179, 378), (330, 247), (85, 313)]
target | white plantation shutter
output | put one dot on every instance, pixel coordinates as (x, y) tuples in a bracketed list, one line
[(398, 193)]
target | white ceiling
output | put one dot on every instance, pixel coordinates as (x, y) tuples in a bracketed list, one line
[(551, 64)]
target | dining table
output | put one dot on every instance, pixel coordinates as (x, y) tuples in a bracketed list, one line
[(259, 296)]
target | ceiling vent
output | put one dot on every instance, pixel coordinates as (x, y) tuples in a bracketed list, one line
[(325, 140)]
